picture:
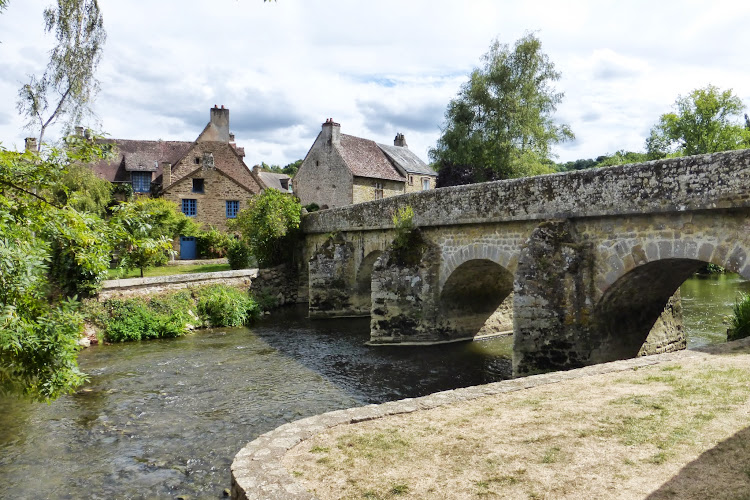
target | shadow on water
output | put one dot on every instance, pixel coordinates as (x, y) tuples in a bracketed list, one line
[(335, 348)]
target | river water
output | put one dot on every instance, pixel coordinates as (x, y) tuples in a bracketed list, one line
[(162, 419)]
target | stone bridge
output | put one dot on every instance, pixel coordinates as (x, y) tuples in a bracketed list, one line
[(582, 267)]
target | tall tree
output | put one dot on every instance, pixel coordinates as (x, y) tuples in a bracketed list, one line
[(705, 121), (500, 124), (68, 84)]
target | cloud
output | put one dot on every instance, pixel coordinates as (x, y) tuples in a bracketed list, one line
[(383, 117)]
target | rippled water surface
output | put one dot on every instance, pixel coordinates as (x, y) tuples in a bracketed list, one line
[(161, 419)]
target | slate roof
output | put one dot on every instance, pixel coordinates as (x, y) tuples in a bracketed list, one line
[(273, 180), (365, 159), (137, 155), (403, 157)]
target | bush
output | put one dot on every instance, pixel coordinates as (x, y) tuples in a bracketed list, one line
[(740, 321), (238, 255), (134, 319), (213, 244), (224, 306)]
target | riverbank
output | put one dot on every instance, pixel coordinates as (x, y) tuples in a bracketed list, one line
[(667, 426)]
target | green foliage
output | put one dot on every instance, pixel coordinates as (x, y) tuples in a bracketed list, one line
[(225, 306), (739, 325), (238, 255), (81, 189), (705, 121), (213, 244), (620, 157), (290, 169), (403, 223), (136, 319), (68, 85), (173, 314), (143, 231), (500, 123), (48, 252), (270, 226)]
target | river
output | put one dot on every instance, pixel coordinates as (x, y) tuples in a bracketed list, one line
[(162, 419)]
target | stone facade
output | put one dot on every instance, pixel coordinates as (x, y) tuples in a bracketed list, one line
[(595, 257), (279, 283), (341, 170), (416, 182)]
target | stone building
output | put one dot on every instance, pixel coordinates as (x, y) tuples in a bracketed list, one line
[(207, 177), (341, 169)]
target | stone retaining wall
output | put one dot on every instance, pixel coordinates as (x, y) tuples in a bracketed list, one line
[(257, 471), (158, 284)]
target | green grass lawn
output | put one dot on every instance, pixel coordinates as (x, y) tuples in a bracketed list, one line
[(168, 271)]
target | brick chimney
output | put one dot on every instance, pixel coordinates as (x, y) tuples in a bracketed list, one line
[(218, 129), (31, 144), (331, 132), (400, 141), (166, 174)]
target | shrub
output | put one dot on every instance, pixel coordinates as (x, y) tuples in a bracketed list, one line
[(270, 226), (213, 244), (238, 255), (225, 306), (740, 321), (137, 319)]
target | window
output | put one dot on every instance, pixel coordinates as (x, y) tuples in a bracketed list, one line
[(197, 185), (411, 180), (425, 183), (233, 206), (378, 190), (189, 207), (197, 160), (141, 181)]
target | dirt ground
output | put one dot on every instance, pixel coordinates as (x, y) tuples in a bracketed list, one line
[(675, 430)]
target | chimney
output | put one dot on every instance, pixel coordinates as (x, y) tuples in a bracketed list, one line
[(400, 141), (231, 137), (208, 161), (166, 174), (31, 144), (79, 131), (219, 124), (331, 132)]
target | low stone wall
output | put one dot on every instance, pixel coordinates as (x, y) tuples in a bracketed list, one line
[(278, 282), (147, 286)]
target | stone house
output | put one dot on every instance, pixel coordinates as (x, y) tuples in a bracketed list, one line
[(207, 177), (341, 169)]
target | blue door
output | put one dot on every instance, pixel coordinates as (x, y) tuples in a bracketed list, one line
[(188, 250)]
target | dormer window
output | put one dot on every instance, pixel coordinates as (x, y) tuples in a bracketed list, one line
[(197, 185), (197, 160), (141, 181)]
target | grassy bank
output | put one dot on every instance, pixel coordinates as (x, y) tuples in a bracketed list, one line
[(168, 271), (674, 430), (171, 314)]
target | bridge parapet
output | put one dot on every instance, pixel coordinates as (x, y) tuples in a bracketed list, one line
[(702, 182)]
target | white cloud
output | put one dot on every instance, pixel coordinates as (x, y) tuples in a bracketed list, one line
[(379, 67)]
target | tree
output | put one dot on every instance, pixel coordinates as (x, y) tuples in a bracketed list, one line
[(705, 121), (48, 253), (270, 226), (500, 124), (144, 230), (68, 85)]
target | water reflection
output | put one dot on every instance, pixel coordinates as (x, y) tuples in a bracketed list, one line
[(706, 302)]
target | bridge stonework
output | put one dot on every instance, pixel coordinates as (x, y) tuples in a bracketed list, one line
[(583, 267)]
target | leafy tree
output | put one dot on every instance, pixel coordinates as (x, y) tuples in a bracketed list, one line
[(48, 252), (705, 121), (83, 190), (270, 226), (68, 85), (144, 229), (500, 124)]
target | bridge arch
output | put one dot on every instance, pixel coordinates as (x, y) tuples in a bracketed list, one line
[(364, 273), (452, 260), (476, 291), (640, 277)]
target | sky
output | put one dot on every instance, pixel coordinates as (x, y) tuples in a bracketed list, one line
[(378, 67)]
